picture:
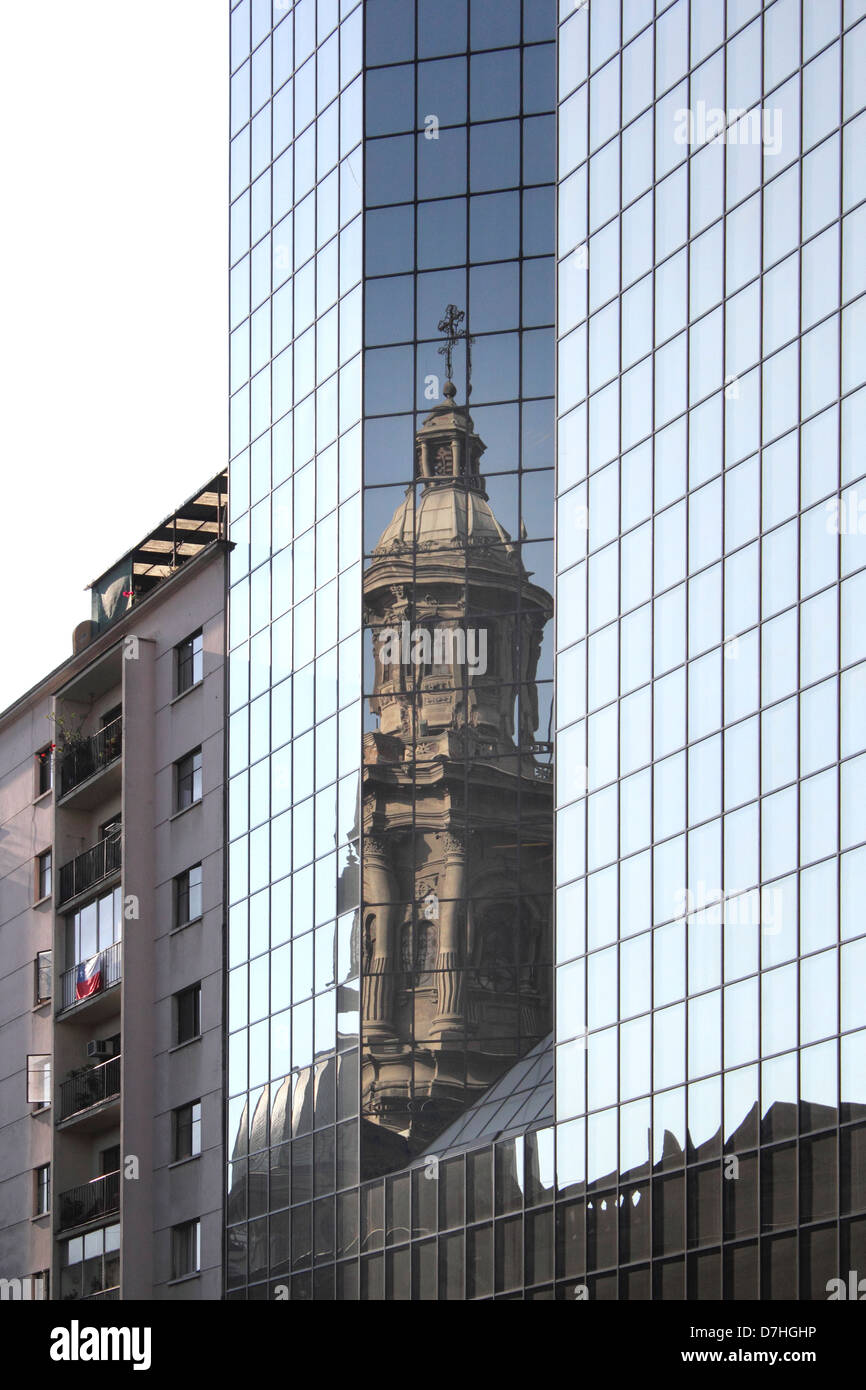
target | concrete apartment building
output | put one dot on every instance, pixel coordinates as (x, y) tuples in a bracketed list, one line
[(111, 937)]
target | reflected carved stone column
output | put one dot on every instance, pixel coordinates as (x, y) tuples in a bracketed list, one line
[(449, 961), (379, 944)]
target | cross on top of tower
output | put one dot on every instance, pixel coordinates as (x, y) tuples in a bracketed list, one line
[(449, 325)]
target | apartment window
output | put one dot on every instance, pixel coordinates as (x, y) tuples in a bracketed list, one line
[(42, 977), (188, 780), (187, 1131), (42, 1190), (189, 663), (39, 1286), (109, 1159), (188, 1014), (38, 1078), (185, 1249), (43, 875), (90, 1264), (44, 771), (187, 896), (94, 927), (111, 716)]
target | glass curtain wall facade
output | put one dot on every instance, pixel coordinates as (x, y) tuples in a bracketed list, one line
[(414, 1110), (390, 942), (295, 615), (711, 1052), (457, 785)]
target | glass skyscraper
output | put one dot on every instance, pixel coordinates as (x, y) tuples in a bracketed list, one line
[(528, 304), (711, 636)]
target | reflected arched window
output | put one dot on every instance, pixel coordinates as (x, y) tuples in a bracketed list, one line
[(497, 962)]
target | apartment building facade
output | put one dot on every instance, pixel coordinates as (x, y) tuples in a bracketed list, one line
[(111, 937)]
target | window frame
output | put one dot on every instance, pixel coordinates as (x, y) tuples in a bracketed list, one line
[(42, 1190), (40, 999), (183, 889), (192, 992), (186, 1249), (184, 776), (189, 655), (111, 716), (44, 758), (44, 874), (186, 1131), (42, 1102)]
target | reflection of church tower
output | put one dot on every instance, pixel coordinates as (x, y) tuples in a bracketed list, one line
[(457, 813)]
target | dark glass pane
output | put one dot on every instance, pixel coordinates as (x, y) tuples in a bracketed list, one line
[(479, 1271), (373, 1278), (390, 35), (704, 1275), (668, 1215), (479, 1185), (495, 84), (853, 1169), (398, 1267), (539, 1245), (778, 1188), (818, 1178), (740, 1193), (508, 1239), (424, 1271), (390, 96), (602, 1221), (451, 1194), (390, 170), (442, 92), (441, 27), (818, 1262), (451, 1250), (634, 1224), (570, 1240)]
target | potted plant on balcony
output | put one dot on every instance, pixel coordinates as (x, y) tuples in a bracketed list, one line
[(71, 743), (68, 733)]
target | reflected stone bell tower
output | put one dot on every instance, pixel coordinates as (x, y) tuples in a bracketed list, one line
[(457, 811)]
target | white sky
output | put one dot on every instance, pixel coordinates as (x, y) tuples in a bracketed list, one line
[(113, 285)]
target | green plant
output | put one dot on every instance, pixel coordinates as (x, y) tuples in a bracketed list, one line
[(68, 733)]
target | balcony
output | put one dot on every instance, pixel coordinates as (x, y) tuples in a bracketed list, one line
[(90, 977), (86, 759), (88, 1087), (90, 1202), (90, 868)]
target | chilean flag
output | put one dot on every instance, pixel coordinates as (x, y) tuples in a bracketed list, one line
[(88, 979)]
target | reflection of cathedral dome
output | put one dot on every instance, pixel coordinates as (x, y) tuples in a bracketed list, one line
[(447, 508), (443, 515)]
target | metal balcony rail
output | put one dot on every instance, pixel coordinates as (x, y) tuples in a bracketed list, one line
[(91, 1201), (91, 977), (89, 1086), (91, 756), (89, 868)]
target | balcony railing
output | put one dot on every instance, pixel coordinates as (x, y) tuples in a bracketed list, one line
[(89, 868), (91, 1201), (88, 1087), (91, 756), (91, 977)]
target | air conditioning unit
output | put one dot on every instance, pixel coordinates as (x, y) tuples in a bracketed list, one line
[(100, 1049)]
